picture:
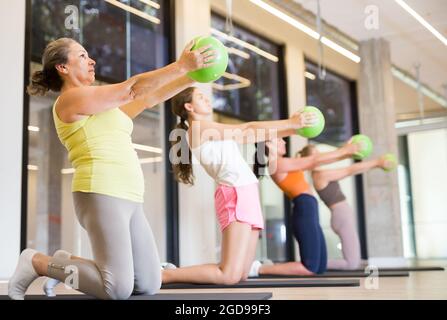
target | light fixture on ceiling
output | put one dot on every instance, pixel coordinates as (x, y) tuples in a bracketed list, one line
[(410, 126), (151, 3), (33, 128), (137, 12), (143, 147), (246, 45), (238, 52), (422, 21), (307, 30), (151, 160), (410, 81), (309, 75), (242, 83), (417, 122), (68, 171)]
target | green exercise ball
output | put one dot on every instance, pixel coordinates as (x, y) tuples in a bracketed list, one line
[(391, 158), (367, 146), (214, 72), (314, 131)]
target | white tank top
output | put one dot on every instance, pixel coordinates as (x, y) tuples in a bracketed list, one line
[(223, 161)]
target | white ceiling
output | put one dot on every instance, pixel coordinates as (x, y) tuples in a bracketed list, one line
[(411, 43)]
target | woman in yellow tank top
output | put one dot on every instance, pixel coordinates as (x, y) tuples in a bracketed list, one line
[(95, 124), (288, 174)]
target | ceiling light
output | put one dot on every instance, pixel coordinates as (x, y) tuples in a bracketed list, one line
[(134, 11), (33, 128), (151, 160), (309, 31), (151, 3), (147, 148), (242, 83), (407, 79), (412, 123), (422, 21), (246, 45), (309, 75), (68, 171), (238, 52)]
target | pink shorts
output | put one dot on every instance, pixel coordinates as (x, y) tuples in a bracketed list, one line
[(238, 204)]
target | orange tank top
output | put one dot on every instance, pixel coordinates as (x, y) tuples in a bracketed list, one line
[(294, 184)]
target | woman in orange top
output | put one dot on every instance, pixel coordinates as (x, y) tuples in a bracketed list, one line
[(288, 174)]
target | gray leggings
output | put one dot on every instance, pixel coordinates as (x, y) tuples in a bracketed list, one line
[(125, 255), (343, 224)]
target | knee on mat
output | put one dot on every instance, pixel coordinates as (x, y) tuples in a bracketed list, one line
[(149, 288), (121, 290), (312, 266), (353, 263), (245, 276), (231, 278)]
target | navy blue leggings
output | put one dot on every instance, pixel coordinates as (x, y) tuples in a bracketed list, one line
[(307, 231)]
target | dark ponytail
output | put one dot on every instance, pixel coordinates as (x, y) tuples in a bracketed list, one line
[(182, 171), (307, 150), (56, 52), (260, 165)]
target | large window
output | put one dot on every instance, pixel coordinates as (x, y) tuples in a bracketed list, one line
[(427, 161), (122, 44), (334, 96), (252, 90), (406, 199)]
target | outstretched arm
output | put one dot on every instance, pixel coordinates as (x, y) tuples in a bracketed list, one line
[(134, 108), (333, 156), (77, 102), (352, 170), (294, 164), (252, 132), (315, 160)]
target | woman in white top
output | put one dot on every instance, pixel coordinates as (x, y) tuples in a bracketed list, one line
[(236, 198)]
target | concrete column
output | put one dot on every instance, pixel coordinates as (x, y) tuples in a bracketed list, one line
[(296, 89), (377, 119), (198, 239)]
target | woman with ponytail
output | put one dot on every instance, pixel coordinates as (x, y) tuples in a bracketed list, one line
[(95, 124), (325, 182), (237, 202)]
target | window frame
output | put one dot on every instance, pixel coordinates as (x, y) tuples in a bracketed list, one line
[(358, 179), (281, 56)]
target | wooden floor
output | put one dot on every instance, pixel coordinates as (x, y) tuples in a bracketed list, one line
[(419, 285)]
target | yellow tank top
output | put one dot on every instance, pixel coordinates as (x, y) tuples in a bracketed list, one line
[(101, 152)]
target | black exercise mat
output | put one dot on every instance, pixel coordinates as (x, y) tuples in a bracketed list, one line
[(162, 296), (257, 283), (338, 274), (405, 269)]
